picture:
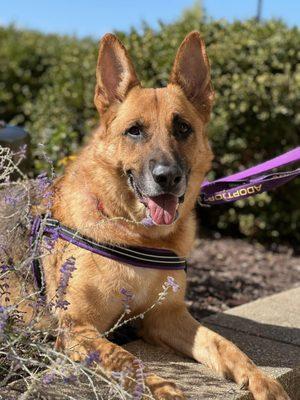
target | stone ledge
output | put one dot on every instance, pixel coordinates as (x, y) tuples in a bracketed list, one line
[(199, 382), (274, 317), (268, 330)]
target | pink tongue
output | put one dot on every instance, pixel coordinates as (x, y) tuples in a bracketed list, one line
[(163, 208)]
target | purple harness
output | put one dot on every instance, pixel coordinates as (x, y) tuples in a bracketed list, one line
[(143, 257), (238, 186)]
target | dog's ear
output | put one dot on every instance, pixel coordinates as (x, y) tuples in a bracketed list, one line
[(191, 71), (115, 73)]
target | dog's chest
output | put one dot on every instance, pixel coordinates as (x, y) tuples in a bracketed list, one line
[(125, 287)]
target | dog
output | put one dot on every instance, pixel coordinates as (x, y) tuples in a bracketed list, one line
[(147, 159)]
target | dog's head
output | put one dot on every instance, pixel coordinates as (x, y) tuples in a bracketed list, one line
[(156, 137)]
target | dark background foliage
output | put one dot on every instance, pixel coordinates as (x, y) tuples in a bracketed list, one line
[(47, 84)]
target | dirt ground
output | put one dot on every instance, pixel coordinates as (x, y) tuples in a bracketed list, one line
[(226, 272)]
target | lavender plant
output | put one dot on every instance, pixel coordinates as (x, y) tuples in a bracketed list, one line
[(30, 367)]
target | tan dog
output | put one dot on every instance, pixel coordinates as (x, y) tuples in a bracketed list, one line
[(148, 157)]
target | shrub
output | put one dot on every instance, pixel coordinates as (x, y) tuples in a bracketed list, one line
[(47, 83)]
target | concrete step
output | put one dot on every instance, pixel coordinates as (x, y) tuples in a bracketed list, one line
[(268, 330)]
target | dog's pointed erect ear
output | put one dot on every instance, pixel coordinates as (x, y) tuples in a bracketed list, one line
[(191, 71), (115, 73)]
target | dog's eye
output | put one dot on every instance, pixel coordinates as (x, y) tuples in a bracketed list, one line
[(181, 128), (184, 128), (134, 131)]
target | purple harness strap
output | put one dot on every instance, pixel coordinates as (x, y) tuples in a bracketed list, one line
[(143, 257), (251, 181)]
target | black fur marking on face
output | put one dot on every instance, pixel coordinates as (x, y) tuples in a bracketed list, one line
[(181, 128)]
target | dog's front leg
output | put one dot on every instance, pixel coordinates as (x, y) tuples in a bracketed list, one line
[(79, 340), (174, 327)]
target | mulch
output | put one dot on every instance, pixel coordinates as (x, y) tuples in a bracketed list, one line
[(226, 272)]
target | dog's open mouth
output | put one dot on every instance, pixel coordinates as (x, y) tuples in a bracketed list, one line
[(161, 209)]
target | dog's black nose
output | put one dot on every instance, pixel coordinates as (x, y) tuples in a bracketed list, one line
[(168, 177)]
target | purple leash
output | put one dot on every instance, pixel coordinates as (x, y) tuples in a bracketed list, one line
[(251, 181)]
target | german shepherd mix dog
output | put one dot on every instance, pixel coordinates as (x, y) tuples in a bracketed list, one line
[(148, 158)]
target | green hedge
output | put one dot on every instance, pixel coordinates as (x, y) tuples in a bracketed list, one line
[(47, 84)]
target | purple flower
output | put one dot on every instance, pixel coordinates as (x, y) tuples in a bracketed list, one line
[(63, 304), (70, 378), (172, 284), (4, 268), (140, 380), (39, 303), (44, 184), (148, 221), (66, 271), (49, 241), (127, 298), (93, 357), (48, 378), (10, 200)]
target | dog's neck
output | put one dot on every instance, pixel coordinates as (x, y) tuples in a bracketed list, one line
[(92, 198)]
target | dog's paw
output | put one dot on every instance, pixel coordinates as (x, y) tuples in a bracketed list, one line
[(75, 352), (168, 393), (265, 388), (162, 389)]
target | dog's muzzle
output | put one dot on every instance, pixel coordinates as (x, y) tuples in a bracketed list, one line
[(161, 191)]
